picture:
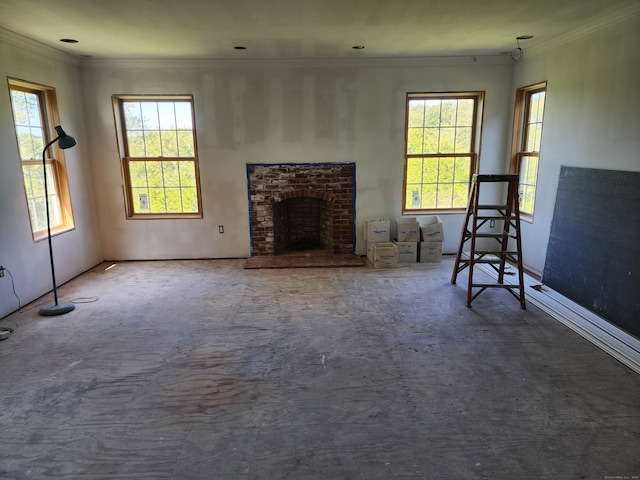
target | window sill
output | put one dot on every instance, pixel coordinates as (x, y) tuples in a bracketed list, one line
[(165, 216), (42, 234)]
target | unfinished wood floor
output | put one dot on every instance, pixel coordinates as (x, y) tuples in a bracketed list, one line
[(204, 370)]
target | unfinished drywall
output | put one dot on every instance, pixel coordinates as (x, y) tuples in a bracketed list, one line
[(592, 116), (74, 251), (279, 112)]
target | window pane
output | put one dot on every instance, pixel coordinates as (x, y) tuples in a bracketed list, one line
[(445, 173), (463, 140), (432, 113), (167, 115), (152, 144), (414, 140), (138, 174), (416, 113), (136, 144), (187, 174), (465, 112), (533, 137), (150, 115), (429, 194), (132, 115), (183, 116), (154, 174), (430, 174), (414, 170), (171, 174), (448, 113), (445, 195), (169, 143), (173, 200), (185, 143), (157, 200), (189, 200), (431, 140), (447, 140)]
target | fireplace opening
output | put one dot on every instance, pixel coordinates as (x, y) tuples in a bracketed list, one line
[(302, 224)]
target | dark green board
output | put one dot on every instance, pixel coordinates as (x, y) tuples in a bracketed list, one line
[(593, 256)]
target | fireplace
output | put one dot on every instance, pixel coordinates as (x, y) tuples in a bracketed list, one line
[(301, 207)]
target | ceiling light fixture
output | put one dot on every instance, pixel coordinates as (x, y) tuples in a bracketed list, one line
[(517, 54), (68, 40)]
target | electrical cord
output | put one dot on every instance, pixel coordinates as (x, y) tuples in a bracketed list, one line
[(13, 287)]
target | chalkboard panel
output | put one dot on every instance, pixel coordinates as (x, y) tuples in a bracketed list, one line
[(593, 256)]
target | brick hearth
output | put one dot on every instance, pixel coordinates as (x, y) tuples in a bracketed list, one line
[(333, 183)]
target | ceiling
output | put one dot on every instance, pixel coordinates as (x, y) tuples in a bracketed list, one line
[(303, 28)]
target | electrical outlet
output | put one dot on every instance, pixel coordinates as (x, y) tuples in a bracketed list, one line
[(220, 228), (1, 271), (492, 223)]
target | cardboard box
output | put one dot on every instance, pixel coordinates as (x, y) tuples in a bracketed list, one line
[(384, 255), (430, 252), (377, 230), (407, 252), (431, 227), (407, 229)]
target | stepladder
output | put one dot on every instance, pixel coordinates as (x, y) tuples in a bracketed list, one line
[(485, 222)]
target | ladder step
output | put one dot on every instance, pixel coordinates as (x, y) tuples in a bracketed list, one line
[(491, 207), (494, 285), (495, 217), (492, 235), (510, 177)]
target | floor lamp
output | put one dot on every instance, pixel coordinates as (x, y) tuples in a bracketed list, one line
[(56, 308)]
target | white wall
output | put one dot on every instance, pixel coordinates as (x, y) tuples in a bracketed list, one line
[(74, 251), (592, 116), (275, 112)]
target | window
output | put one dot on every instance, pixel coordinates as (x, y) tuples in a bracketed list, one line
[(441, 150), (35, 115), (527, 136), (160, 161)]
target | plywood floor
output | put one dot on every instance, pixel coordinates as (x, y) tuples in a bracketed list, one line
[(206, 370)]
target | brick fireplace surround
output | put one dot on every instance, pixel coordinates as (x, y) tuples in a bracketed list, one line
[(333, 183)]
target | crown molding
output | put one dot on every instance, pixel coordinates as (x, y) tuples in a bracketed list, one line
[(605, 21), (218, 63), (25, 43)]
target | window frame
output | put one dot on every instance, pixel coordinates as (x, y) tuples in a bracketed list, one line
[(520, 137), (126, 159), (48, 109), (473, 155)]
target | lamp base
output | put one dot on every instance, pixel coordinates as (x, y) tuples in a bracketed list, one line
[(51, 309)]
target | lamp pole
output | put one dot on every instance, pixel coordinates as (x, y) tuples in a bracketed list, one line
[(56, 308)]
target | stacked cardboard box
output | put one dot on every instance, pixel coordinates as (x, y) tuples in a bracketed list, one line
[(407, 238), (383, 255), (380, 251), (432, 238)]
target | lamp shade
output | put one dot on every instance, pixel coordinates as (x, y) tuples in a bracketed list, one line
[(64, 141)]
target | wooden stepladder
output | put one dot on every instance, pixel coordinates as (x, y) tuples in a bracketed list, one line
[(478, 218)]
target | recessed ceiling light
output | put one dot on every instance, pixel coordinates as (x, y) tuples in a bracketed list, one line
[(239, 47), (358, 47), (524, 37), (68, 40)]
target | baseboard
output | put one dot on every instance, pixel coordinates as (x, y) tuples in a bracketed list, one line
[(610, 338)]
